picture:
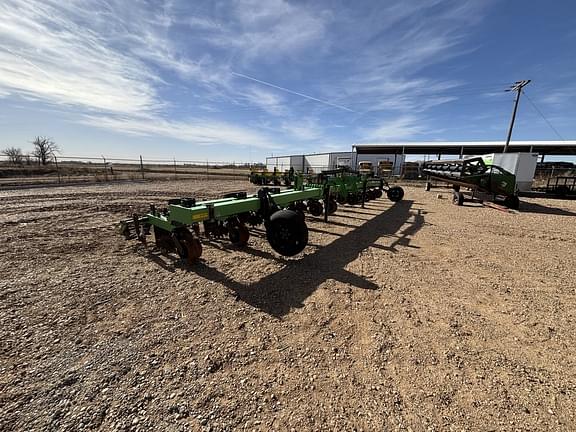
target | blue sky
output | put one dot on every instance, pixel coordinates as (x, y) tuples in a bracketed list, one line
[(243, 79)]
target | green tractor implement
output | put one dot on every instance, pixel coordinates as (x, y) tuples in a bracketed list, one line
[(486, 182), (264, 177), (351, 187), (176, 228)]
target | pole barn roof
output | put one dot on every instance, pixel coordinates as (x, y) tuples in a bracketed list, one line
[(467, 147)]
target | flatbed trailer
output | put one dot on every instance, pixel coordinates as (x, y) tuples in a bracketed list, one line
[(560, 186)]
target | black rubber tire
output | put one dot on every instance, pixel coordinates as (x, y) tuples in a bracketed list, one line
[(341, 199), (512, 202), (378, 193), (287, 232), (238, 235), (301, 207), (315, 208), (562, 191), (332, 206), (395, 193), (254, 219), (457, 198)]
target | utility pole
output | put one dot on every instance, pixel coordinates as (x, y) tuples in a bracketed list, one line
[(517, 87)]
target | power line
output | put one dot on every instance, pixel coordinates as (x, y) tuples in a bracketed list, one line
[(543, 116)]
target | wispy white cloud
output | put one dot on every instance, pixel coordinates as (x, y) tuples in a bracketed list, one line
[(48, 56), (304, 129), (194, 131), (144, 67), (270, 102), (557, 98), (398, 128), (263, 30), (102, 57), (409, 37)]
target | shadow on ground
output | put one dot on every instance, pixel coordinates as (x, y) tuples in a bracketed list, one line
[(530, 207), (277, 293)]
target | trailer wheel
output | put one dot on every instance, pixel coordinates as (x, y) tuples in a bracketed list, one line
[(395, 193), (457, 198), (287, 232), (512, 202), (561, 191), (238, 234)]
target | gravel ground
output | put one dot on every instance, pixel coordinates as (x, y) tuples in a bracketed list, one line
[(415, 316)]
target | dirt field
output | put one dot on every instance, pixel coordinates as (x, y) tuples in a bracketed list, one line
[(76, 173), (419, 316)]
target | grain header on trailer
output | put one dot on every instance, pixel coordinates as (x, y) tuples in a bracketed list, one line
[(489, 182)]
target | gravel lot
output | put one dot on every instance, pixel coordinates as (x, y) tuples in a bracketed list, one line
[(416, 316)]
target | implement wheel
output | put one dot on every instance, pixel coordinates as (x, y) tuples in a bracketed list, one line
[(191, 247), (332, 206), (287, 232), (352, 199), (315, 207), (395, 193), (238, 234)]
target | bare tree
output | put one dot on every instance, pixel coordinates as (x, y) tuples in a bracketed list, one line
[(14, 155), (44, 149)]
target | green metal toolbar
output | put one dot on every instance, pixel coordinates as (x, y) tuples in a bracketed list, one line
[(177, 227)]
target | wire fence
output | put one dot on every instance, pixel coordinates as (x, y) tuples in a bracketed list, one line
[(78, 169)]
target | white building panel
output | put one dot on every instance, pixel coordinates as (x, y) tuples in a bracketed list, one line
[(316, 163)]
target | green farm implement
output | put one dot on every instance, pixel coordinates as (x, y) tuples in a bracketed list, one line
[(349, 187), (487, 182), (264, 177), (177, 228)]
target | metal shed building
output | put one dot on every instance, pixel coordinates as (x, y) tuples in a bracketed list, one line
[(309, 163), (284, 163), (563, 148)]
